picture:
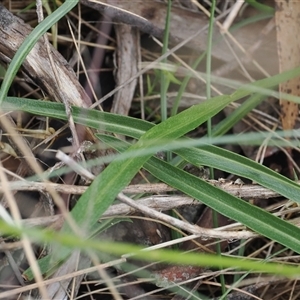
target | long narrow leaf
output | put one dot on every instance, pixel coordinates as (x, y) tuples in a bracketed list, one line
[(104, 189), (97, 119), (227, 161), (88, 117), (29, 43), (251, 216), (208, 155), (118, 174), (238, 114), (196, 259)]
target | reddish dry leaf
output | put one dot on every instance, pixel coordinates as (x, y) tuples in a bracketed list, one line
[(288, 47), (177, 274)]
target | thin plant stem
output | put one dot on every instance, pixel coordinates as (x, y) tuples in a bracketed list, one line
[(164, 81), (209, 125), (184, 84)]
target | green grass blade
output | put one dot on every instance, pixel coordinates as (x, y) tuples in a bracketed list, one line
[(89, 117), (164, 81), (241, 211), (133, 127), (261, 7), (104, 189), (29, 43), (172, 256), (238, 114), (236, 164), (118, 174), (82, 116), (208, 155)]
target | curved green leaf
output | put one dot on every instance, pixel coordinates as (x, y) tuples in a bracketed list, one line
[(208, 155), (219, 158), (29, 43), (171, 256), (252, 216), (104, 189)]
